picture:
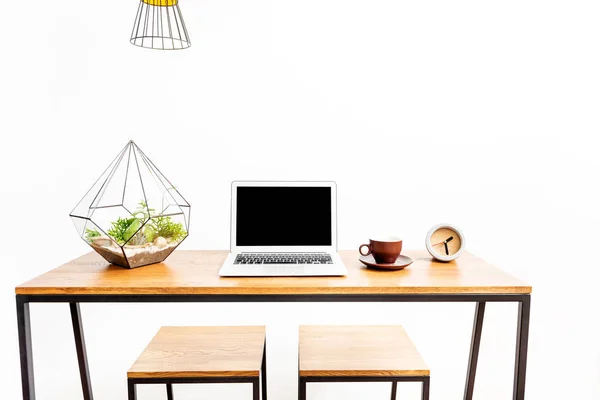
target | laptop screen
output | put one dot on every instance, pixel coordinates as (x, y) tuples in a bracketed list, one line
[(283, 216)]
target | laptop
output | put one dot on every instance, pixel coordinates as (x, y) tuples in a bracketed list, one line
[(283, 229)]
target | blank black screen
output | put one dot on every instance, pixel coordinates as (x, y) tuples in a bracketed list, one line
[(283, 216)]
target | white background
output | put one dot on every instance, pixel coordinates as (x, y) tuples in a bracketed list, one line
[(479, 113)]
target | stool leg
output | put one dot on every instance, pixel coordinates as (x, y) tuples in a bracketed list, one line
[(394, 387), (264, 373), (301, 388), (425, 389), (169, 391), (131, 389), (256, 389)]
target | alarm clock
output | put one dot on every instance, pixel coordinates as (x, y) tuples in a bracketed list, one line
[(445, 242)]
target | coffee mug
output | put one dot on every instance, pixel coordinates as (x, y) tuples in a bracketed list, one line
[(384, 250)]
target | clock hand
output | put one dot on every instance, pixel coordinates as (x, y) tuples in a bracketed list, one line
[(444, 242), (446, 246)]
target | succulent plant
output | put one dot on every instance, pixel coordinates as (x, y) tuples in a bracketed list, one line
[(127, 230)]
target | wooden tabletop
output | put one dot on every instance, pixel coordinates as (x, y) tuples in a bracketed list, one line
[(202, 351), (196, 272), (358, 351)]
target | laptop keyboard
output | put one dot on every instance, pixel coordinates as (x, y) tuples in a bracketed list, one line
[(281, 258)]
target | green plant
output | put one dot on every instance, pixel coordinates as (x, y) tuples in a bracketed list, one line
[(165, 227), (90, 234), (159, 226), (123, 229), (127, 230), (143, 212)]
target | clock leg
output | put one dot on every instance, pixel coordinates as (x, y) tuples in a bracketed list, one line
[(474, 352)]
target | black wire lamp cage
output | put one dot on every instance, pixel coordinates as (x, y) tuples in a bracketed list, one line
[(132, 216), (159, 25)]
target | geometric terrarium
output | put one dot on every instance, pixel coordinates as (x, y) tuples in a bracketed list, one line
[(132, 216)]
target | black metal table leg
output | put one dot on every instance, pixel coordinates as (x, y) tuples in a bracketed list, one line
[(425, 389), (131, 390), (26, 354), (256, 389), (263, 372), (394, 388), (25, 349), (84, 371), (474, 352), (301, 388), (169, 391), (521, 352)]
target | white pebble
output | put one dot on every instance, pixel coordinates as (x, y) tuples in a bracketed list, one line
[(160, 242)]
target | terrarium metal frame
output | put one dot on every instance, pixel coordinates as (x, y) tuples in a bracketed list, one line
[(143, 235), (159, 25)]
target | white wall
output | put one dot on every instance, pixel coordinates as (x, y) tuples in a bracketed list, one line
[(483, 114)]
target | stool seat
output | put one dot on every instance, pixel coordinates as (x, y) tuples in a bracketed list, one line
[(202, 352), (358, 351)]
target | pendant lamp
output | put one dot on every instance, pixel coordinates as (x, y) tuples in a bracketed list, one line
[(159, 25)]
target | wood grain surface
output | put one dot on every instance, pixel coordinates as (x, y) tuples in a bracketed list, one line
[(358, 351), (202, 351), (196, 272)]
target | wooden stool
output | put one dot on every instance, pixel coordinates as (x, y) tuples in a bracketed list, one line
[(359, 354), (203, 354)]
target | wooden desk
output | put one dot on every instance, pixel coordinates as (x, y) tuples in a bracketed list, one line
[(192, 276)]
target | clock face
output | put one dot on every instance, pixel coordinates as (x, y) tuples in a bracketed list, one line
[(445, 242)]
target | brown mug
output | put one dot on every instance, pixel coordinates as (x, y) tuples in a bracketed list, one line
[(384, 251)]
